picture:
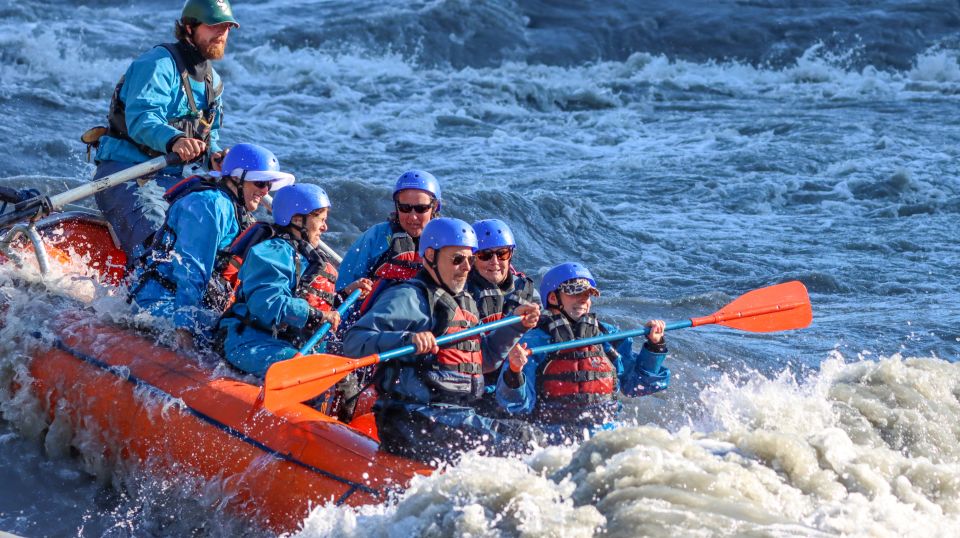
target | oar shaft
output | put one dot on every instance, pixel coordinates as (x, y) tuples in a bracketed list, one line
[(322, 331), (399, 352), (609, 337), (455, 337), (57, 201)]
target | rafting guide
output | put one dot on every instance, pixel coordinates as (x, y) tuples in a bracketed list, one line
[(168, 101)]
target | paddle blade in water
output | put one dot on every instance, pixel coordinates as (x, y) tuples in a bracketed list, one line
[(303, 378), (775, 308)]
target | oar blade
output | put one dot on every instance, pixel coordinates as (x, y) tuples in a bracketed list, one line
[(303, 378), (782, 307)]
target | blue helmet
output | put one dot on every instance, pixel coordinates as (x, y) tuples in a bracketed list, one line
[(301, 199), (493, 233), (420, 180), (447, 232), (250, 162), (563, 273)]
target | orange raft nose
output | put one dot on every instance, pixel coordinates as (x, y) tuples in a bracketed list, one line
[(149, 405)]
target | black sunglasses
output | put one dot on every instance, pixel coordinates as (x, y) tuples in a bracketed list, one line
[(261, 184), (458, 259), (419, 208), (502, 254)]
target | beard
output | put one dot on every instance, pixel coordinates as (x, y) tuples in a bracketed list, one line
[(212, 50)]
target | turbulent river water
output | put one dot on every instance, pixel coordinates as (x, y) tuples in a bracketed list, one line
[(686, 151)]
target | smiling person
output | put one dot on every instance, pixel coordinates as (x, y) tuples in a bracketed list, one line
[(426, 405), (496, 286), (168, 101), (287, 285), (570, 391), (387, 252), (174, 278)]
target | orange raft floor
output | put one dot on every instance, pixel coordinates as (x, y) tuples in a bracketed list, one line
[(150, 406)]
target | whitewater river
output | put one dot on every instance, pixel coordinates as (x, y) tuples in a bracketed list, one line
[(687, 152)]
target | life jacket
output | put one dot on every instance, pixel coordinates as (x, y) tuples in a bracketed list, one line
[(455, 373), (493, 301), (197, 124), (160, 247), (572, 380), (398, 263), (316, 283)]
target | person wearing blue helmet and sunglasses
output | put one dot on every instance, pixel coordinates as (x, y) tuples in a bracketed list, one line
[(497, 287), (287, 286), (177, 277), (570, 391), (388, 252), (425, 408)]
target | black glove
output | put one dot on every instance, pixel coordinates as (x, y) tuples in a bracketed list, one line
[(314, 320)]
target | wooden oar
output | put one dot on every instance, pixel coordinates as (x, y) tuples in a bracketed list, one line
[(775, 308), (298, 380), (44, 205), (322, 331)]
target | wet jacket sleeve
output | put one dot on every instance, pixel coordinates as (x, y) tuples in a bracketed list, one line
[(640, 373), (268, 275), (521, 400), (358, 260), (401, 311), (149, 89), (496, 346), (203, 223)]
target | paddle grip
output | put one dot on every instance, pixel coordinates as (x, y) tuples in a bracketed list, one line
[(451, 338), (322, 331)]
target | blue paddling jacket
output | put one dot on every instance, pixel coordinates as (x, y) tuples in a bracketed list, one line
[(267, 307), (410, 307), (151, 109), (173, 278)]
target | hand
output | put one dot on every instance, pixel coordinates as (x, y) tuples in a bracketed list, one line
[(184, 340), (529, 313), (189, 148), (518, 357), (216, 160), (657, 326), (365, 285), (319, 317), (425, 342)]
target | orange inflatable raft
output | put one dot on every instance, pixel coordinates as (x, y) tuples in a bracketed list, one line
[(152, 407)]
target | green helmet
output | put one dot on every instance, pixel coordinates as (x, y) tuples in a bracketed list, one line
[(210, 12)]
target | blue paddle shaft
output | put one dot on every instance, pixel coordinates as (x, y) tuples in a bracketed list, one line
[(450, 338), (322, 331), (550, 348)]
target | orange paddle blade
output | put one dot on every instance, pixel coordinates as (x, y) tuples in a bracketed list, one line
[(303, 378), (774, 308)]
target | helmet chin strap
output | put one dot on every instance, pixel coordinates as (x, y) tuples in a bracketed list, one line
[(436, 270), (238, 184)]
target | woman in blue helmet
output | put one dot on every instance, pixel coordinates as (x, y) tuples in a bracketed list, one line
[(570, 391), (496, 286), (287, 285), (426, 401), (175, 278), (387, 252)]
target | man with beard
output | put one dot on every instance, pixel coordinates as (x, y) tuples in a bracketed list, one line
[(426, 404), (168, 101)]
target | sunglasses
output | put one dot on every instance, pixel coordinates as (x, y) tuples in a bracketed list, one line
[(502, 254), (261, 184), (458, 259), (419, 208)]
